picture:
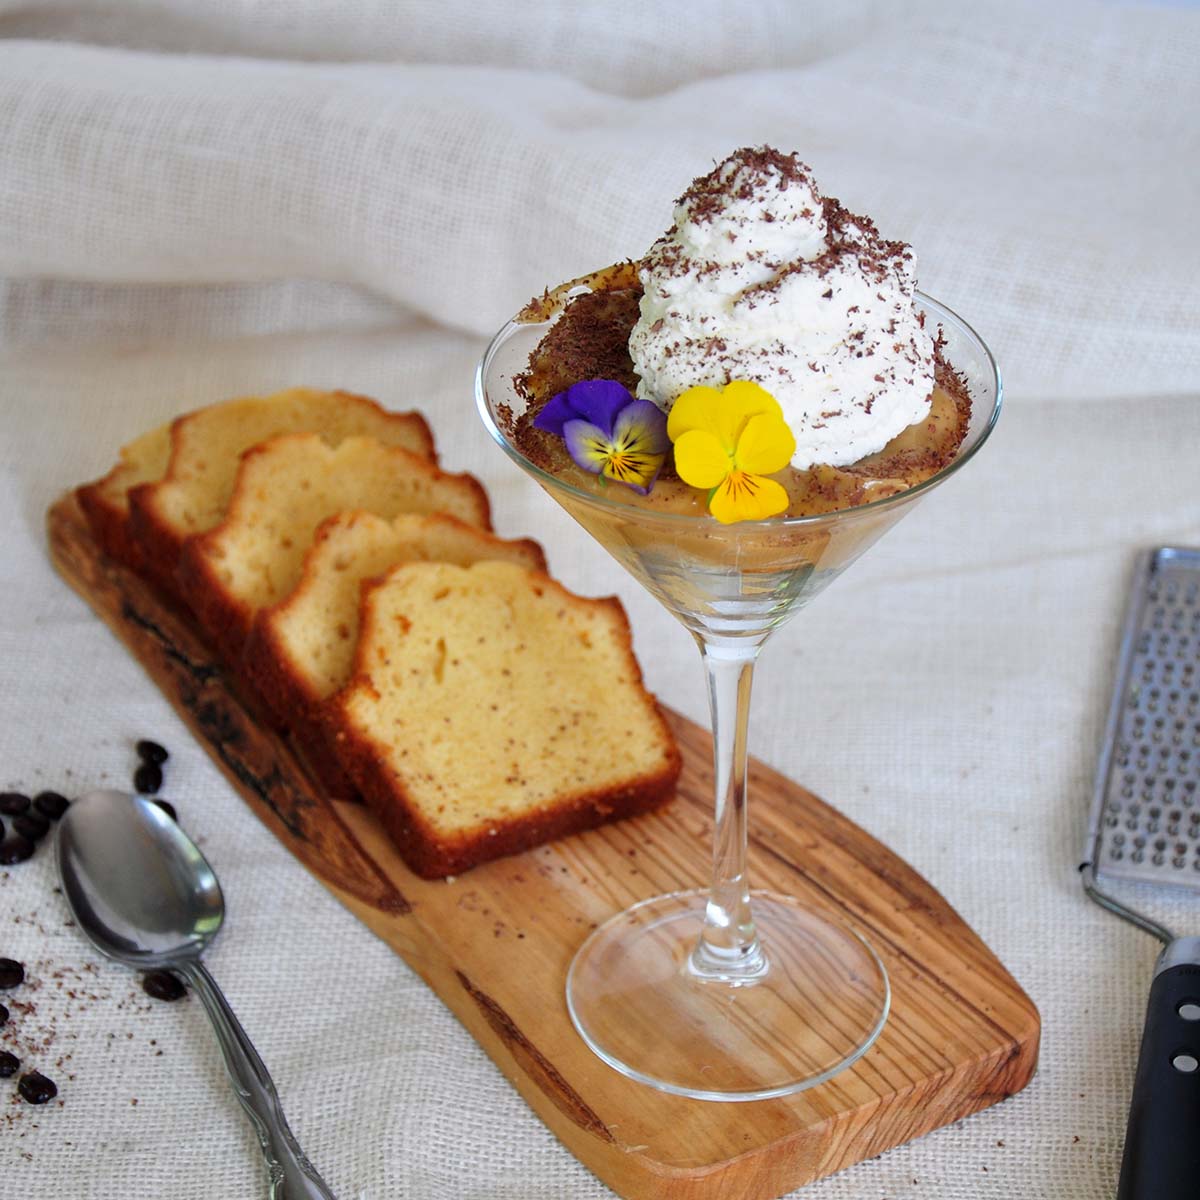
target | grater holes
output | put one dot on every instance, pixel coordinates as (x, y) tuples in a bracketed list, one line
[(1150, 808)]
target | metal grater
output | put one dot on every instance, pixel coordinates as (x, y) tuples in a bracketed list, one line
[(1145, 822), (1145, 828)]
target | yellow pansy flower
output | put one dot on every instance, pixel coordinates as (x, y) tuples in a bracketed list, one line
[(729, 440)]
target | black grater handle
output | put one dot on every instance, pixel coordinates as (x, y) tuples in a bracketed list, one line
[(1162, 1140)]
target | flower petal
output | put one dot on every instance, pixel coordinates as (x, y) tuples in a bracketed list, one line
[(554, 413), (766, 445), (700, 459), (704, 409), (749, 399), (745, 497), (599, 401), (587, 444), (638, 471), (641, 427)]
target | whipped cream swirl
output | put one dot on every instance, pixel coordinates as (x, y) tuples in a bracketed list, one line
[(762, 278)]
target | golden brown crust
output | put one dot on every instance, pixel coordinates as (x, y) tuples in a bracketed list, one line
[(432, 854), (268, 666), (224, 619), (105, 501), (109, 522), (159, 545), (311, 738)]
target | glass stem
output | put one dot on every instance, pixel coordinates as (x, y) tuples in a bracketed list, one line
[(728, 948)]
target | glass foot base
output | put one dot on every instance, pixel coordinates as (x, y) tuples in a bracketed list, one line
[(818, 1006)]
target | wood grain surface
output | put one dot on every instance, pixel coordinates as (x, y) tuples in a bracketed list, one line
[(495, 943)]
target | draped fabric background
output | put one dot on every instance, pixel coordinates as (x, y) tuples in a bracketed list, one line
[(201, 198)]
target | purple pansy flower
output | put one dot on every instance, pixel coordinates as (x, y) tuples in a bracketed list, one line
[(608, 432)]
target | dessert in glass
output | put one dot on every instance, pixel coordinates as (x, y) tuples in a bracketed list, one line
[(736, 417)]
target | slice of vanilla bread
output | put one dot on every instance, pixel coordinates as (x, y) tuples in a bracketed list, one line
[(300, 650), (303, 647), (105, 502), (285, 488), (195, 488), (490, 710)]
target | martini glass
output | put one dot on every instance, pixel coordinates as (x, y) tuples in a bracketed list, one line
[(722, 993)]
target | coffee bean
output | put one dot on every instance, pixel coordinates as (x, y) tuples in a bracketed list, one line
[(151, 752), (12, 973), (8, 1064), (3, 1015), (162, 985), (35, 1088), (12, 804), (51, 804), (169, 809), (147, 779), (31, 825), (15, 850)]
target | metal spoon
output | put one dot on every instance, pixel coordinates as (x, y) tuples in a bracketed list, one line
[(144, 895)]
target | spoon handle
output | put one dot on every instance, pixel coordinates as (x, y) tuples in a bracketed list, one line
[(293, 1177)]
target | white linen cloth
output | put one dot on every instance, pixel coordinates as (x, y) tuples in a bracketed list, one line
[(199, 200)]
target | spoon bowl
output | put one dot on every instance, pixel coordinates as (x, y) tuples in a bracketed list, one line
[(140, 889)]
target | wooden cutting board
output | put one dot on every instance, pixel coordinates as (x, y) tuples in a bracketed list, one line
[(496, 942)]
